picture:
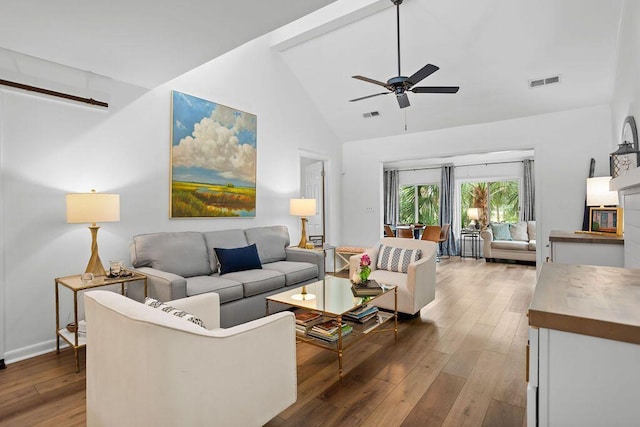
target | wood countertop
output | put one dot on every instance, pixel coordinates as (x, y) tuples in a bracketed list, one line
[(573, 237), (590, 300)]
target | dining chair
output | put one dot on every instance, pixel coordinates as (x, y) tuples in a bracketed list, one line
[(431, 233), (388, 232), (406, 233), (444, 236)]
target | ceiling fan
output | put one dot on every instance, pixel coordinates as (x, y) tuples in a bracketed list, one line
[(401, 84)]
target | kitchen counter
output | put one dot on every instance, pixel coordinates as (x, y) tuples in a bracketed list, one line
[(589, 300), (573, 237)]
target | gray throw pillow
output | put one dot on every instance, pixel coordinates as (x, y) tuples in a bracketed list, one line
[(151, 302), (396, 259)]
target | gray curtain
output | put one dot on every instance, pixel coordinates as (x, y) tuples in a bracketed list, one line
[(528, 193), (449, 247), (391, 190)]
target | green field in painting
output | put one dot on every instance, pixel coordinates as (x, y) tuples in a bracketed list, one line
[(193, 199)]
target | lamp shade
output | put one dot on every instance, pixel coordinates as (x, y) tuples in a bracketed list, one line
[(598, 193), (473, 213), (302, 207), (93, 207)]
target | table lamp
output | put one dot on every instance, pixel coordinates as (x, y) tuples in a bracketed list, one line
[(474, 215), (90, 208), (302, 208), (598, 193)]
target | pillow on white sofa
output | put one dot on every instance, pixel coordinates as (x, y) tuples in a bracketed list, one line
[(396, 259), (518, 231), (151, 302)]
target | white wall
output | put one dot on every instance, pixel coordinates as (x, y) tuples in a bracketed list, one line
[(626, 86), (53, 147), (563, 142)]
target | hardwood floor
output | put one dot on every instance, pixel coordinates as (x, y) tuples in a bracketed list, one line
[(461, 362)]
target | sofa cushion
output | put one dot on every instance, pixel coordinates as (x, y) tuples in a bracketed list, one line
[(256, 282), (500, 231), (222, 239), (531, 230), (532, 245), (183, 253), (294, 272), (238, 259), (151, 302), (518, 231), (511, 245), (271, 242), (396, 259), (227, 290)]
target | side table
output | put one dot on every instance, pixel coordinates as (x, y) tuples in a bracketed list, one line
[(75, 284), (474, 235)]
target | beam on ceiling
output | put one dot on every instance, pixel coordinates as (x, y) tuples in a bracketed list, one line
[(325, 20)]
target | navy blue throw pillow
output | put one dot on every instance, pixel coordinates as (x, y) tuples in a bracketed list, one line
[(238, 259)]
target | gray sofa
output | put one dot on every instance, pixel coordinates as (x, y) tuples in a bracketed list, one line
[(517, 243), (182, 264)]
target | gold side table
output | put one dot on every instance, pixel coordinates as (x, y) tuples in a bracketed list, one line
[(75, 284)]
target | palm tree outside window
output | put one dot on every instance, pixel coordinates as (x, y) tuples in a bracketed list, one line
[(420, 204)]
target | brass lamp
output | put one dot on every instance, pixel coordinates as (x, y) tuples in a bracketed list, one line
[(302, 208), (474, 215), (91, 208)]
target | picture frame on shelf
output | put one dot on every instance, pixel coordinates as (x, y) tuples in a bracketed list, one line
[(606, 221), (317, 241)]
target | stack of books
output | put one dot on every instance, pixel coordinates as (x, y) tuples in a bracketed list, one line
[(363, 315), (368, 289), (328, 330), (305, 320)]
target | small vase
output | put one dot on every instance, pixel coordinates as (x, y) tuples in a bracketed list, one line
[(364, 275)]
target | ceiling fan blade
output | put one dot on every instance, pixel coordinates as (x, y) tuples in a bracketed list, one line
[(423, 72), (435, 89), (369, 96), (375, 82), (403, 100)]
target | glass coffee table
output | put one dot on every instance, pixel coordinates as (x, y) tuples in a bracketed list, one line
[(333, 300)]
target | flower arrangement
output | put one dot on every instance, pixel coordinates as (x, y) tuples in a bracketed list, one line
[(365, 270)]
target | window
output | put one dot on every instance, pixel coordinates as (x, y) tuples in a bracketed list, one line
[(420, 204), (499, 200)]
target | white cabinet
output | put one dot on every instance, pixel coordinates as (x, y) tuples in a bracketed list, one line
[(578, 380), (568, 247), (584, 347)]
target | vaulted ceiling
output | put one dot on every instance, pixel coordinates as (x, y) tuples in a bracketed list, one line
[(490, 48)]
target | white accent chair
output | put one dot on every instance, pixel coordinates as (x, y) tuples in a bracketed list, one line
[(416, 288), (146, 367)]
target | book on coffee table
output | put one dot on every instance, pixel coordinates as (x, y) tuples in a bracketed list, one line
[(369, 289)]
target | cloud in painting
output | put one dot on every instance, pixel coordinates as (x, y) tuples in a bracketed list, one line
[(214, 144)]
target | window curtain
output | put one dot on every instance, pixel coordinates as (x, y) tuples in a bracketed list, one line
[(391, 193), (449, 247), (528, 192)]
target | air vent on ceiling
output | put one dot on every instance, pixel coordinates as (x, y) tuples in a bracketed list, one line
[(545, 81), (371, 114)]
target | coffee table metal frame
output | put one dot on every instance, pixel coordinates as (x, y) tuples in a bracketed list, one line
[(332, 297)]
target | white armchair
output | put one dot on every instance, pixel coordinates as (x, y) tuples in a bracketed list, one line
[(417, 287), (146, 367)]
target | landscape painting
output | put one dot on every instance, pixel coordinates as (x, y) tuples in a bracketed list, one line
[(213, 159)]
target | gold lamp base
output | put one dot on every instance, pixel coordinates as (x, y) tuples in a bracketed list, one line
[(95, 265), (303, 238)]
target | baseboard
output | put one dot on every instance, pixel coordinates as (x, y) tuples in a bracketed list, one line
[(32, 351)]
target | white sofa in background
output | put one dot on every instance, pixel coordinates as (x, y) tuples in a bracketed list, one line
[(518, 244), (146, 367), (416, 288)]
